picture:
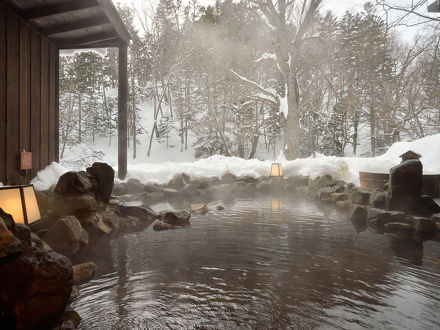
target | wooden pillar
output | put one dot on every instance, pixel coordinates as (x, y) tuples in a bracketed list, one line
[(122, 111)]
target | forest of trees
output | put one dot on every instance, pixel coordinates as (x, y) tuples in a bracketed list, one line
[(248, 78)]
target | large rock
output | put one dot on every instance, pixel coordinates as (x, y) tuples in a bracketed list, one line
[(426, 206), (65, 236), (405, 185), (134, 186), (378, 199), (379, 217), (23, 233), (399, 226), (325, 193), (142, 213), (34, 289), (178, 181), (176, 218), (339, 197), (360, 196), (10, 246), (198, 208), (74, 182), (160, 225), (84, 272), (358, 214), (80, 205), (120, 189), (39, 243), (8, 220), (228, 178), (104, 175), (424, 225)]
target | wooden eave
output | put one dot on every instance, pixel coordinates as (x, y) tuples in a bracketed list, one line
[(434, 7), (73, 24)]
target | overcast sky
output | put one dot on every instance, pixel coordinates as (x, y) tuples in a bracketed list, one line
[(339, 7)]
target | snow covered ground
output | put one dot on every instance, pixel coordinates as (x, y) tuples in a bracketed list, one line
[(345, 168)]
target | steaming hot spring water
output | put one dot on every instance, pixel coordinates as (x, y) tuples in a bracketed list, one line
[(262, 263)]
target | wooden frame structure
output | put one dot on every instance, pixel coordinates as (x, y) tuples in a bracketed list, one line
[(31, 34)]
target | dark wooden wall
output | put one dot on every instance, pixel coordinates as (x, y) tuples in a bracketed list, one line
[(28, 96)]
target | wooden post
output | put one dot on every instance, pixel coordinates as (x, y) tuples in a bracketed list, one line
[(122, 111)]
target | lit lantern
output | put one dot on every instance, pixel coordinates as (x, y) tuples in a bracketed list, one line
[(276, 170), (20, 202)]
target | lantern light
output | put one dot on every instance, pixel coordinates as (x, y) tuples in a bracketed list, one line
[(20, 202), (276, 170)]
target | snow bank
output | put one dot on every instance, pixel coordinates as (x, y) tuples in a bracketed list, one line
[(48, 177), (344, 168)]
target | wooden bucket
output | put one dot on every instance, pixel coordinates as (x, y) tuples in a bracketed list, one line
[(372, 181)]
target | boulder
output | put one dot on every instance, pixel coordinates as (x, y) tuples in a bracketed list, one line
[(301, 180), (426, 206), (190, 190), (424, 225), (198, 208), (74, 182), (46, 222), (10, 246), (358, 213), (378, 199), (96, 225), (80, 205), (398, 226), (340, 188), (45, 200), (152, 188), (325, 193), (345, 205), (176, 218), (228, 178), (160, 225), (74, 294), (178, 181), (134, 186), (436, 217), (104, 175), (339, 197), (65, 236), (8, 221), (360, 196), (23, 233), (34, 289), (220, 207), (200, 182), (84, 272), (405, 185), (70, 315), (39, 243), (380, 217), (142, 213), (120, 189)]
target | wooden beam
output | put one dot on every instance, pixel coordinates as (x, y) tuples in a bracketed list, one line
[(56, 9), (116, 42), (73, 26), (3, 87), (57, 105), (113, 15), (84, 41), (122, 112)]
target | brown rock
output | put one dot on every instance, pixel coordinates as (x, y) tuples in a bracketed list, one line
[(142, 213), (65, 236), (198, 208), (160, 225), (34, 289), (39, 243), (72, 316), (360, 196), (77, 205), (104, 175), (74, 182), (424, 225), (178, 181), (396, 226), (84, 272), (339, 197), (10, 246), (176, 218), (74, 294), (359, 213)]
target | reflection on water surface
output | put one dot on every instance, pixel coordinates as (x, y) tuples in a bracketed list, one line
[(263, 264)]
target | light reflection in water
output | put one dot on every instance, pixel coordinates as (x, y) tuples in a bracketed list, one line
[(262, 263)]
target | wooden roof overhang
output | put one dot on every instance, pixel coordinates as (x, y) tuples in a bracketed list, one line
[(434, 7), (74, 24)]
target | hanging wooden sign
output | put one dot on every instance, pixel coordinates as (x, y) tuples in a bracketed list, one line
[(26, 160)]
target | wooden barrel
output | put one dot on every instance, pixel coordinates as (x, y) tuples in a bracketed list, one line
[(372, 181)]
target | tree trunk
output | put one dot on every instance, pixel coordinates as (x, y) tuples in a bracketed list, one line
[(292, 133), (79, 118)]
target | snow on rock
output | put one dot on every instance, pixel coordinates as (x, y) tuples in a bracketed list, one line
[(48, 177), (344, 168), (428, 147)]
